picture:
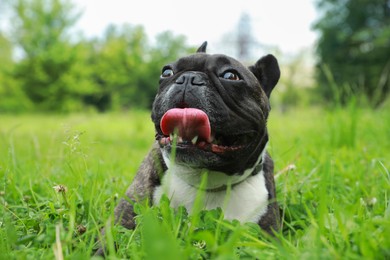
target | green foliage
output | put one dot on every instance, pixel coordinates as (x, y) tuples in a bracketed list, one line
[(58, 73), (354, 49), (115, 64), (12, 97), (49, 71), (126, 68), (5, 51), (335, 203)]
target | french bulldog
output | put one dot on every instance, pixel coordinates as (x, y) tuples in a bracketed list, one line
[(210, 116)]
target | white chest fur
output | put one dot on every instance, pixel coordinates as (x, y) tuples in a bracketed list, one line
[(247, 201)]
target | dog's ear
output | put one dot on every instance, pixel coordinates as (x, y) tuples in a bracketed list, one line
[(202, 47), (267, 72)]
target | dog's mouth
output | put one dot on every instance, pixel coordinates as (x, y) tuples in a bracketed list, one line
[(190, 128)]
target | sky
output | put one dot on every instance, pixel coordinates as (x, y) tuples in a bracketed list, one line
[(285, 24)]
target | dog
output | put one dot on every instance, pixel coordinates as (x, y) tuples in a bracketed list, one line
[(210, 116)]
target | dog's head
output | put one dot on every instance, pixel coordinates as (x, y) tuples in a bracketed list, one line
[(217, 107)]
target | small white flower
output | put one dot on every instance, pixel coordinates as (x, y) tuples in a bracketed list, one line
[(372, 201), (60, 188), (199, 244)]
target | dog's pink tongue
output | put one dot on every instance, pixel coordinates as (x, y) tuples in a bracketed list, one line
[(188, 122)]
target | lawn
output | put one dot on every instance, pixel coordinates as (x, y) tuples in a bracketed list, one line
[(61, 176)]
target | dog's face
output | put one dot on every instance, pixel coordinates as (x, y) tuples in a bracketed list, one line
[(218, 108)]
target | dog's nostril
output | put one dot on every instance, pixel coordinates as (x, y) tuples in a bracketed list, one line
[(190, 78), (197, 81), (181, 79)]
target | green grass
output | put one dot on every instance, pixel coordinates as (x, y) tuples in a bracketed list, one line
[(335, 203)]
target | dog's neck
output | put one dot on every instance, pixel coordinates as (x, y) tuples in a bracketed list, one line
[(216, 181), (257, 170), (243, 196)]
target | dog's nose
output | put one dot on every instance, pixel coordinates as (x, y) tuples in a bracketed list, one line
[(190, 78)]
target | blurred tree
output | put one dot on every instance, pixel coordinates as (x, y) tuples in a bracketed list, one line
[(12, 99), (50, 70), (126, 68), (5, 58), (354, 49), (117, 60), (121, 70)]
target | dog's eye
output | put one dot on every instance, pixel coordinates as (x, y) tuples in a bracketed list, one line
[(231, 76), (167, 72)]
